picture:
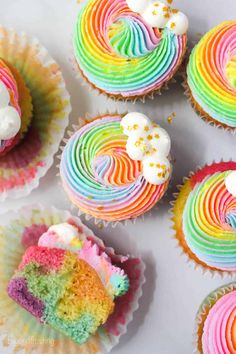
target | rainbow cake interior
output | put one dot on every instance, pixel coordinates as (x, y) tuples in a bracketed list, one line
[(71, 288)]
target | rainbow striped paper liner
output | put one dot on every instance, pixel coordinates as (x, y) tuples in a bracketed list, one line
[(203, 311), (92, 88), (75, 127), (204, 269), (23, 331), (22, 168)]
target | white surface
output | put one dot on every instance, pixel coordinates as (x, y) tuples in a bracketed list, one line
[(173, 291)]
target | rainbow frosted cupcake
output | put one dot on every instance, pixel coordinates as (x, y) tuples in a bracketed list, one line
[(129, 49), (116, 167), (204, 216), (34, 109), (61, 289), (211, 76), (215, 324)]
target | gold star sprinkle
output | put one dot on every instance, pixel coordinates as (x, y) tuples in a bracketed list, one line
[(156, 4), (167, 16), (149, 137), (151, 164), (135, 126), (137, 143), (157, 136), (174, 11), (159, 174), (173, 25), (165, 8), (154, 13), (158, 165), (169, 1), (141, 139), (163, 167), (146, 128), (154, 150)]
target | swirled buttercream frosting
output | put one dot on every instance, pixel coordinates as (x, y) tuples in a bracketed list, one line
[(211, 75), (120, 54), (205, 217), (99, 176), (217, 318)]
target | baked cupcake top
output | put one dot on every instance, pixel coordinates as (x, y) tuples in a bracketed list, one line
[(129, 49), (70, 285), (205, 216), (115, 167), (212, 73), (216, 316)]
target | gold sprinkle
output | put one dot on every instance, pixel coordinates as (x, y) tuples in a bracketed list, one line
[(154, 150), (154, 13), (137, 143), (172, 25), (157, 136), (149, 137), (146, 128), (147, 152), (158, 165), (151, 164), (155, 125), (167, 15), (129, 128), (141, 139), (156, 4), (159, 174), (169, 1), (165, 8), (174, 11), (170, 118), (135, 126), (163, 167)]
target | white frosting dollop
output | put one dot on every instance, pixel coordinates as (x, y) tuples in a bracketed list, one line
[(138, 5), (65, 232), (161, 15), (178, 23), (149, 143), (230, 183), (10, 121)]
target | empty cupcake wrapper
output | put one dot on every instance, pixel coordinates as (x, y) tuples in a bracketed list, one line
[(22, 168), (23, 331), (203, 311), (184, 251)]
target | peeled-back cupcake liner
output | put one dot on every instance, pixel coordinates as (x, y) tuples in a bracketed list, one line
[(203, 311), (201, 113), (22, 167), (119, 97), (180, 244), (75, 127), (23, 331)]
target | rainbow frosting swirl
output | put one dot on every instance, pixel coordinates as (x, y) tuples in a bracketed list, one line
[(217, 332), (120, 54), (99, 176), (212, 74), (205, 218)]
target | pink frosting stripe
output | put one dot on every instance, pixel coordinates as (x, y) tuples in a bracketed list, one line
[(218, 337)]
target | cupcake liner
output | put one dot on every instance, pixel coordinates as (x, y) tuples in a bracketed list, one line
[(22, 167), (118, 97), (203, 311), (178, 236), (199, 110), (23, 331), (75, 127)]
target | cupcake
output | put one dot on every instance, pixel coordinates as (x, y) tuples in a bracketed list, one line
[(14, 98), (61, 288), (211, 76), (215, 325), (116, 167), (128, 49), (204, 217), (34, 109)]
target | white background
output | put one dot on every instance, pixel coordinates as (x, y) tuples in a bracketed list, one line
[(173, 290)]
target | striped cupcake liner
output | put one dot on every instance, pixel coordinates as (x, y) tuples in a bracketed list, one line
[(178, 238), (75, 127), (22, 331), (140, 98), (22, 167), (203, 312)]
